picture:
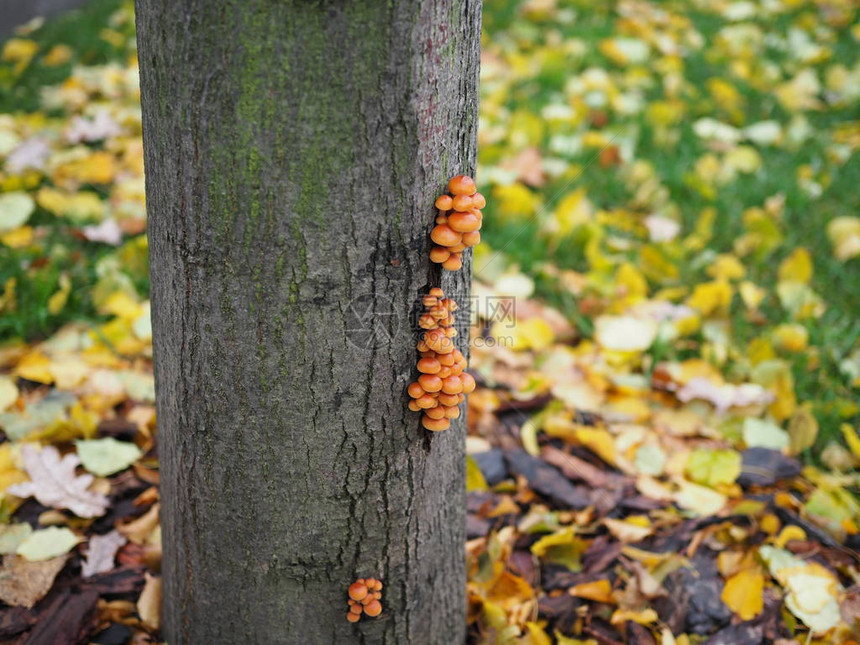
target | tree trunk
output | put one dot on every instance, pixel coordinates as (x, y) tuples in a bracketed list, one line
[(293, 153)]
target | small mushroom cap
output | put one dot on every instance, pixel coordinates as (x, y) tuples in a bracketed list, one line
[(432, 334), (445, 345), (439, 343), (426, 402), (452, 385), (453, 263), (353, 618), (415, 390), (439, 254), (373, 608), (462, 203), (471, 238), (478, 201), (444, 235), (426, 321), (443, 202), (463, 223), (435, 425), (357, 590), (429, 366), (468, 383), (430, 382), (452, 412), (437, 412), (447, 359), (449, 399), (462, 185)]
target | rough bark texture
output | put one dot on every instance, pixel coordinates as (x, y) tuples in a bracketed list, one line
[(293, 152)]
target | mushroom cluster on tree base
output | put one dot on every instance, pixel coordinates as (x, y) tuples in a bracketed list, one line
[(365, 596), (458, 224), (443, 383)]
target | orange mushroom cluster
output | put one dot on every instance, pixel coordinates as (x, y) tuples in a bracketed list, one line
[(458, 224), (365, 596), (443, 383)]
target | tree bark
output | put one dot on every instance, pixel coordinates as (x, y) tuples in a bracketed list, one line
[(293, 152)]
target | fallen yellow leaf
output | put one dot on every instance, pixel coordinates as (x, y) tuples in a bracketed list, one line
[(596, 590), (35, 366), (600, 442), (537, 636), (744, 593), (797, 267), (643, 617), (851, 438)]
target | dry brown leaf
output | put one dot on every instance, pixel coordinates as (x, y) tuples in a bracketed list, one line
[(849, 606), (24, 583), (115, 611), (147, 497), (574, 467), (149, 603), (148, 475), (140, 529), (144, 417)]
